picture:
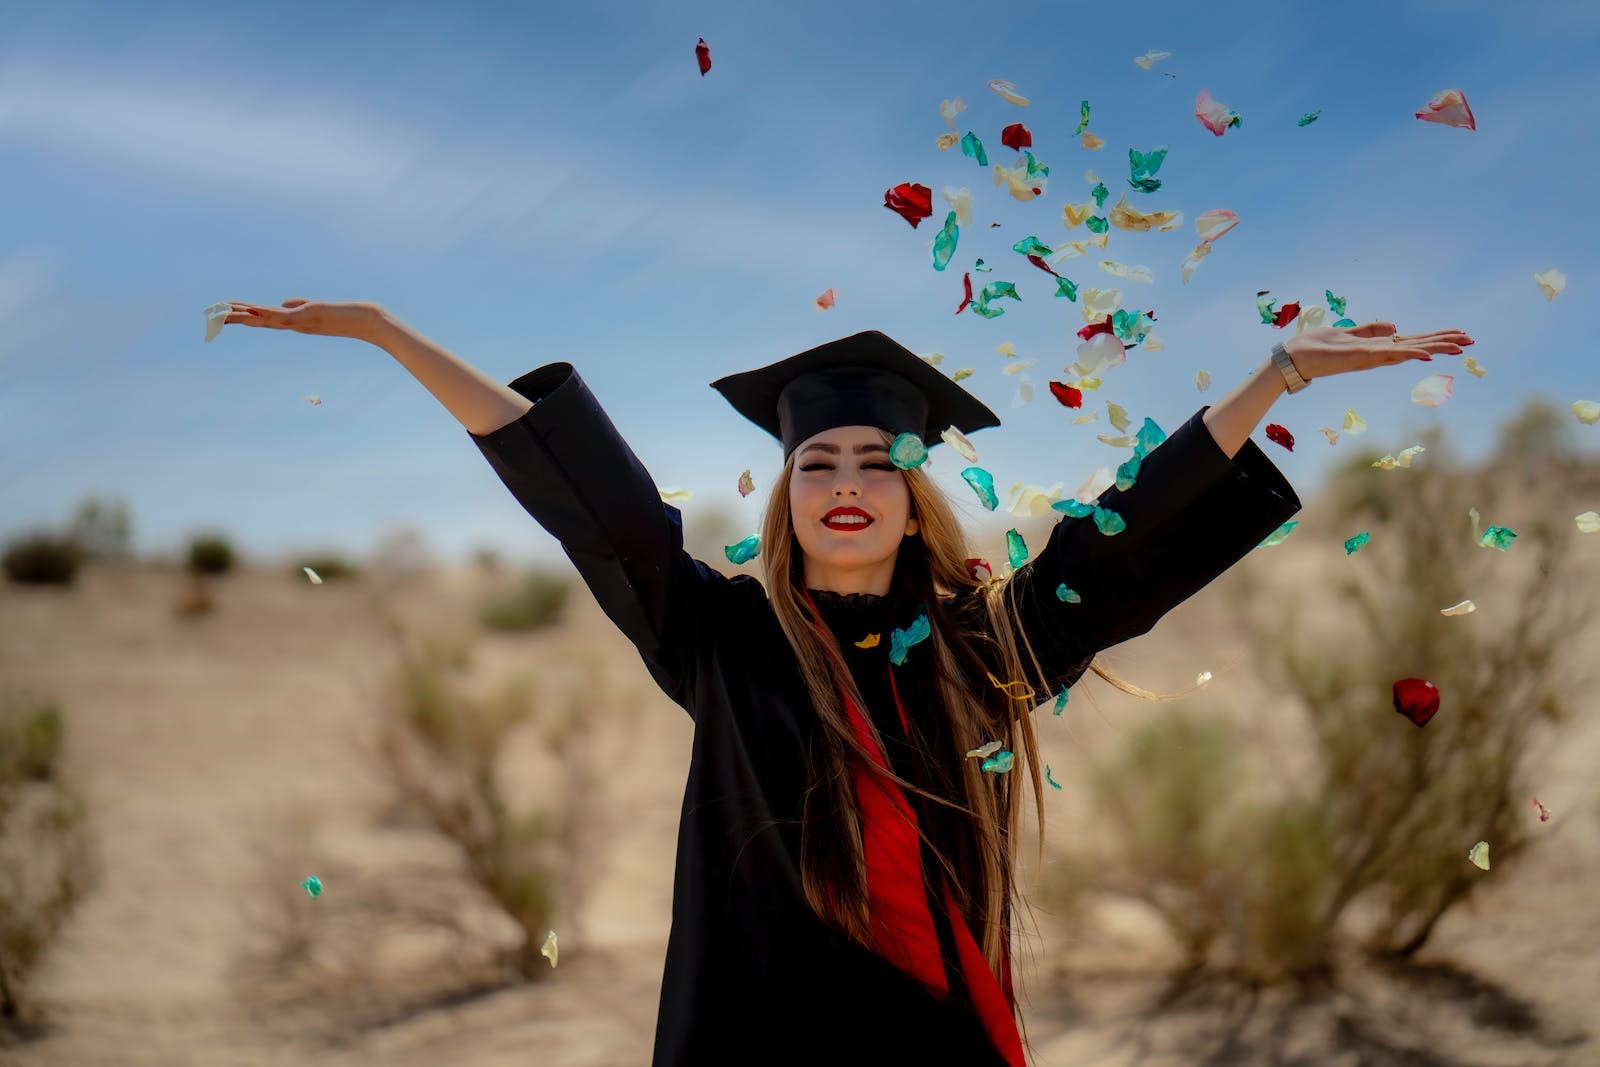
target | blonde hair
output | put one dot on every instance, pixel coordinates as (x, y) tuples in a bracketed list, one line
[(978, 707)]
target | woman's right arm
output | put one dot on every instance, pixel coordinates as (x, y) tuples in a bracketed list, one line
[(561, 457)]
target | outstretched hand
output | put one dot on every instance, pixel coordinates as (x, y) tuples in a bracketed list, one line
[(351, 318), (1325, 350)]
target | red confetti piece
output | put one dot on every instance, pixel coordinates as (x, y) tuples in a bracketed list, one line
[(1417, 699), (1093, 328), (994, 225), (1016, 136), (1042, 265), (1544, 812), (1069, 397), (911, 201), (702, 53), (1280, 435), (980, 569), (966, 286), (1285, 315)]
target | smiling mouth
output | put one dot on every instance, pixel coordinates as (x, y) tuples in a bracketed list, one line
[(848, 525)]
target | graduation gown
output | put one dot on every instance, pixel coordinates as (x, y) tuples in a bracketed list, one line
[(751, 974)]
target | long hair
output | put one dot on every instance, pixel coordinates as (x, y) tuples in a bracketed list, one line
[(978, 813)]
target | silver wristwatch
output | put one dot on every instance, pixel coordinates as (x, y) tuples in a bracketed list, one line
[(1286, 367)]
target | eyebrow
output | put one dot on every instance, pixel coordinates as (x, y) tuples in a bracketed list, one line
[(833, 450)]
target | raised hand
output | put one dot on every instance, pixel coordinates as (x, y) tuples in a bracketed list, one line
[(329, 319), (1326, 350)]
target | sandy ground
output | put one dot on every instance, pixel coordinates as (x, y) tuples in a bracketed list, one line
[(225, 759)]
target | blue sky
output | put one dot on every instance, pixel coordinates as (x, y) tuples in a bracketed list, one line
[(528, 184)]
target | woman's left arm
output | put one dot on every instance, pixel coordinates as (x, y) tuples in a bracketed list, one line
[(1318, 353)]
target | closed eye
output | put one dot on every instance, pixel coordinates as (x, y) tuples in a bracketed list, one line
[(865, 466)]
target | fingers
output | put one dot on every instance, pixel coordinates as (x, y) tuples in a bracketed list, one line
[(1374, 329)]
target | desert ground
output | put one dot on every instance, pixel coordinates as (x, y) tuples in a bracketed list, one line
[(225, 758)]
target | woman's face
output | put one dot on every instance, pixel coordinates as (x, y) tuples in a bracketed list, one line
[(842, 472)]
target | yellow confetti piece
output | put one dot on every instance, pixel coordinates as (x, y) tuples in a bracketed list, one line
[(1202, 380), (747, 484), (1124, 217), (949, 109), (1203, 678), (1125, 441), (1008, 350), (1081, 419), (960, 201), (869, 641), (1027, 690), (1587, 411), (947, 140), (1152, 343), (1033, 501), (1310, 317), (1474, 368), (1352, 422), (934, 358), (1017, 368), (956, 440), (316, 579), (1142, 275), (1008, 92), (1403, 459), (1551, 282), (1074, 214), (1118, 415), (549, 949), (672, 494), (1024, 394), (1589, 522), (1466, 607), (985, 751), (1479, 855), (964, 372), (1090, 141), (1330, 433)]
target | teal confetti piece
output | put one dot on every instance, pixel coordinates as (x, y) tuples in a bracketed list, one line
[(1276, 537), (908, 452), (1145, 185), (1067, 287), (999, 763), (972, 147), (1354, 544), (1128, 472), (982, 483), (944, 242), (1309, 117), (900, 641), (1032, 246), (1100, 192), (982, 266), (1053, 783), (1061, 702), (1345, 324), (1497, 537), (1335, 303), (1109, 522), (1143, 164), (1096, 224), (1068, 596), (1083, 118), (1150, 436), (1016, 548), (1075, 508), (996, 290), (1035, 168), (1264, 308), (986, 311), (744, 551), (312, 886)]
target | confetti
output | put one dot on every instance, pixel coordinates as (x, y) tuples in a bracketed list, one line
[(972, 148), (1309, 117), (1473, 367), (1008, 92), (999, 763), (1353, 423), (1090, 141), (1587, 411), (1096, 224), (672, 494), (1466, 607), (949, 109), (1479, 855), (1053, 783), (1143, 166), (1214, 116), (1280, 435), (960, 201), (312, 886), (1355, 544), (910, 201), (1588, 522), (1417, 699), (1025, 693), (1203, 678), (1026, 180), (1068, 596), (1278, 536), (1330, 433), (962, 372), (1310, 317), (1213, 224), (944, 242), (1132, 274), (956, 440), (908, 452), (1191, 262), (1150, 58), (1544, 812), (1336, 304), (945, 141), (869, 641), (984, 751), (901, 641), (1552, 282), (1433, 390), (1101, 351), (548, 951), (982, 483), (1065, 287), (316, 579), (1202, 380), (747, 484), (1083, 117), (314, 401), (826, 300), (1016, 548), (1033, 502), (1118, 415), (1016, 137), (1497, 537), (1448, 108), (744, 551), (702, 56), (979, 569), (1061, 702), (981, 266), (1403, 459), (216, 318), (966, 292), (1066, 394)]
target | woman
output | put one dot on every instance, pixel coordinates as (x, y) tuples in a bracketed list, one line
[(844, 884)]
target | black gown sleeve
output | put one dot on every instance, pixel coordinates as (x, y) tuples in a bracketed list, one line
[(568, 467), (1192, 513)]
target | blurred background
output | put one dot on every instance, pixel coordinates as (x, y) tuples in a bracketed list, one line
[(267, 614)]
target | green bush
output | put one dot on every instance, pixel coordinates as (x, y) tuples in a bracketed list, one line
[(210, 554), (536, 604), (43, 559)]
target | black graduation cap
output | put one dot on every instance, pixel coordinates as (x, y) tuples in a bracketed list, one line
[(866, 379)]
